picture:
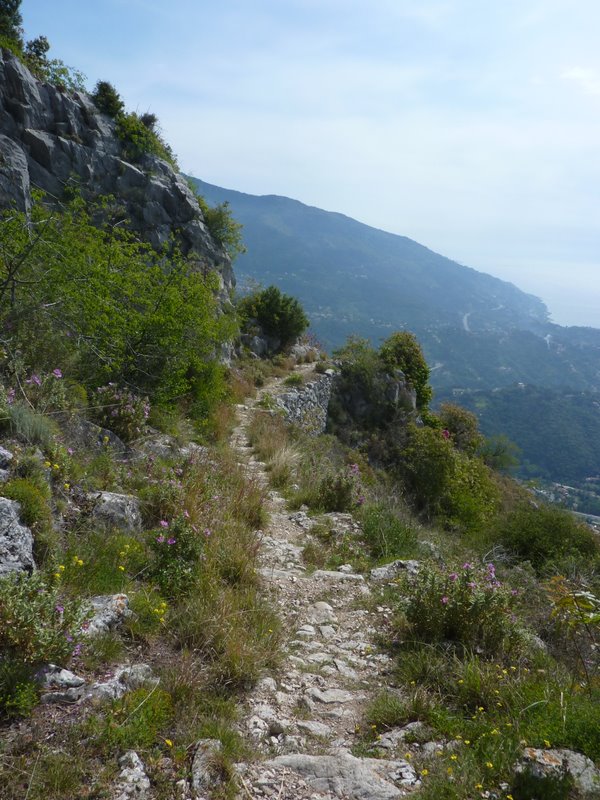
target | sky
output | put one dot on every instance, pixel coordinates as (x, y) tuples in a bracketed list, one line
[(472, 127)]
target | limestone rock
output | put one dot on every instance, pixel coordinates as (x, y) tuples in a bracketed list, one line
[(133, 781), (5, 458), (109, 611), (560, 762), (307, 406), (206, 775), (125, 679), (54, 677), (16, 540), (118, 511), (351, 778), (390, 571)]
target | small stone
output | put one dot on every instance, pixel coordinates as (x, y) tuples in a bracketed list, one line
[(205, 776), (267, 685), (329, 696), (314, 728), (327, 631), (53, 677), (390, 571), (5, 458), (66, 696), (133, 781), (109, 612)]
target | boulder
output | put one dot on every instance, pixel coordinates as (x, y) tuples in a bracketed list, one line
[(109, 611), (6, 458), (118, 511), (16, 540), (390, 571), (562, 763), (125, 679), (206, 776), (133, 781)]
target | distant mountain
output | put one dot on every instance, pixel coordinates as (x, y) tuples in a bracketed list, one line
[(477, 331)]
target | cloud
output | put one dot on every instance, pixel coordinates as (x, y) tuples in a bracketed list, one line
[(588, 80)]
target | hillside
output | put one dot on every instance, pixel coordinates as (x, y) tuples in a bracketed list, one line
[(477, 331)]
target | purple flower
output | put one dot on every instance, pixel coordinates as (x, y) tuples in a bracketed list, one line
[(70, 451), (466, 565), (160, 539), (444, 600), (514, 592), (163, 523), (76, 650), (446, 434), (472, 585), (207, 531), (10, 396), (171, 540), (57, 373), (453, 576), (186, 514), (34, 379), (59, 609)]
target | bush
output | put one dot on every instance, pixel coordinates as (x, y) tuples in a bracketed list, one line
[(403, 351), (107, 99), (467, 607), (37, 624), (462, 426), (138, 139), (222, 226), (544, 535), (177, 555), (121, 411), (386, 534), (340, 491), (277, 314)]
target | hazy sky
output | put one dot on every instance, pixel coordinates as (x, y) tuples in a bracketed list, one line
[(470, 126)]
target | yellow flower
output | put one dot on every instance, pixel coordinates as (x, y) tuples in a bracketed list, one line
[(449, 770), (57, 575), (56, 466), (495, 732), (67, 486), (61, 567), (162, 620), (546, 742), (424, 772), (47, 464), (479, 785), (122, 568), (408, 756), (489, 764), (509, 797), (79, 562), (481, 708), (169, 743), (461, 681), (453, 757), (467, 741)]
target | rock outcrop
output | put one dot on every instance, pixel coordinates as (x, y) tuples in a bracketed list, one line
[(16, 540), (51, 138)]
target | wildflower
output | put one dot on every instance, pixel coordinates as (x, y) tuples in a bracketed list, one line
[(171, 540), (446, 434), (546, 743), (509, 797), (163, 523), (57, 373), (67, 486), (449, 770), (122, 568), (169, 743), (207, 531), (76, 650), (444, 600), (160, 539), (453, 757), (479, 785), (453, 576), (408, 756), (460, 681), (424, 772), (489, 765), (467, 741), (61, 567), (34, 379), (466, 565), (47, 464), (70, 451), (55, 466), (59, 609), (10, 396)]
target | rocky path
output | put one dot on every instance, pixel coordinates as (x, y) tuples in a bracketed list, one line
[(306, 719)]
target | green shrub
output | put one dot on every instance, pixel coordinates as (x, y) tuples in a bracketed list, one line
[(544, 535), (340, 491), (462, 426), (138, 139), (121, 411), (33, 499), (295, 379), (467, 607), (277, 314), (222, 226), (18, 692), (107, 99), (134, 722), (386, 533), (403, 351), (177, 549), (31, 427)]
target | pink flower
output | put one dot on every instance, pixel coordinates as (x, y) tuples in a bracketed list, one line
[(59, 609), (34, 379), (444, 600), (466, 565), (57, 373), (163, 523), (171, 540), (70, 451), (207, 531), (186, 514), (160, 539), (453, 576), (472, 585), (446, 434)]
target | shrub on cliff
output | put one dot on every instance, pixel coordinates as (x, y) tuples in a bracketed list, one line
[(403, 351), (277, 314), (107, 99)]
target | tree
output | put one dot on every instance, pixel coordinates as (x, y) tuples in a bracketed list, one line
[(403, 351), (462, 425), (277, 314), (107, 99), (11, 20)]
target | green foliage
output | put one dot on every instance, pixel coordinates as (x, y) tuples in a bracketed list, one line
[(97, 563), (107, 99), (10, 21), (122, 311), (34, 501), (136, 721), (277, 314), (463, 427), (388, 535), (222, 226), (138, 139), (295, 379), (18, 693), (545, 536), (403, 351), (468, 607), (499, 453), (35, 429), (341, 490), (177, 549), (121, 411), (37, 624)]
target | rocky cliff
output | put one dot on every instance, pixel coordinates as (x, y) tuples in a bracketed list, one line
[(50, 139)]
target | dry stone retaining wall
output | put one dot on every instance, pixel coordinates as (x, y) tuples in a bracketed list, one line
[(307, 405)]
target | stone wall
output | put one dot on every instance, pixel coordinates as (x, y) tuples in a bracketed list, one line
[(307, 405)]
